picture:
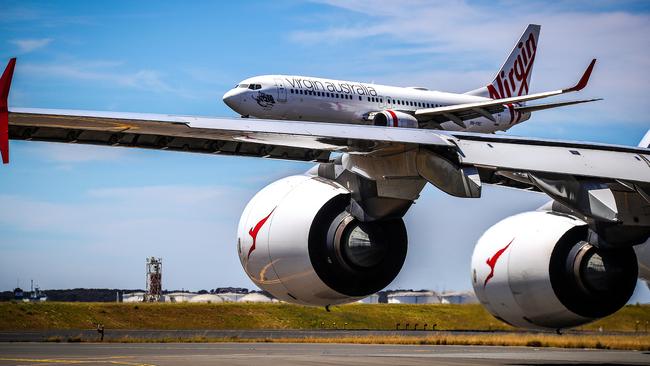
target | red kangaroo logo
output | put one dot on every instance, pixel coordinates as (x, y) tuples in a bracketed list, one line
[(492, 261), (254, 230)]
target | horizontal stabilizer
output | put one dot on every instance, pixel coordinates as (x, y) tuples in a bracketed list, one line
[(541, 107), (496, 105)]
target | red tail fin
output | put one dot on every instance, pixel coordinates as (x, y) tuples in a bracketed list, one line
[(5, 84)]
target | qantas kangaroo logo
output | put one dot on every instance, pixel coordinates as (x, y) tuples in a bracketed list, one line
[(492, 261), (256, 229), (515, 81)]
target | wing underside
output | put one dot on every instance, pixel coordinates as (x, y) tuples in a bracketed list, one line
[(291, 140)]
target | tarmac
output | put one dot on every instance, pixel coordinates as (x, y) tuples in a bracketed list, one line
[(276, 354)]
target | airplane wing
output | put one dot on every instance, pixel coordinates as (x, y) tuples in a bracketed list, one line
[(291, 140), (313, 141), (459, 112), (502, 153), (500, 159)]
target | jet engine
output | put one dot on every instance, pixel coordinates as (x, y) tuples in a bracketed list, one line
[(297, 241), (537, 270), (390, 118)]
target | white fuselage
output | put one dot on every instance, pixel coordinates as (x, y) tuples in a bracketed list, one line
[(324, 100)]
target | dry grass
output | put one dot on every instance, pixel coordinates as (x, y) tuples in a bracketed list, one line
[(618, 342)]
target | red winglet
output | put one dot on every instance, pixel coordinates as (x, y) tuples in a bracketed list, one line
[(584, 79), (5, 84)]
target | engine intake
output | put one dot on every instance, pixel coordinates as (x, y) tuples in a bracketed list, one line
[(390, 118), (537, 270)]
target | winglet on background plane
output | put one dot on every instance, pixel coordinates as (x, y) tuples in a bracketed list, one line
[(584, 79), (5, 84), (645, 141)]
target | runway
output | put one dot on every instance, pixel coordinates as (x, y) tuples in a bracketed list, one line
[(280, 354)]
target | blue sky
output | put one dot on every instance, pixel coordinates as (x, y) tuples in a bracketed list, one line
[(80, 216)]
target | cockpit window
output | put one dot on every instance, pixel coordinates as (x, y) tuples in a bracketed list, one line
[(254, 86), (243, 85)]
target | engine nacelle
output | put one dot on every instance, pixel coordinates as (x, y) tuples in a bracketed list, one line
[(536, 270), (296, 241), (391, 118)]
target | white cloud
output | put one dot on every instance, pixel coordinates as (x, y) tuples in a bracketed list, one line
[(109, 73), (29, 45)]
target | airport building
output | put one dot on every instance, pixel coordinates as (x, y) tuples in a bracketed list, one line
[(372, 299), (458, 298), (413, 297)]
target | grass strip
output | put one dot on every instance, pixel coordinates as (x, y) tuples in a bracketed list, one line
[(613, 342)]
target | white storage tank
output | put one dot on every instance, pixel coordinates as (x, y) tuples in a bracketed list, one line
[(206, 298), (256, 297)]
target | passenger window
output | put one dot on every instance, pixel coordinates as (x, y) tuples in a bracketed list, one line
[(360, 97), (301, 92)]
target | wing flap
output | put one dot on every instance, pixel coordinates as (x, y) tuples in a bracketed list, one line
[(570, 158)]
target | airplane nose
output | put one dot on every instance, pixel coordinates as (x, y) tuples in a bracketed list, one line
[(231, 98)]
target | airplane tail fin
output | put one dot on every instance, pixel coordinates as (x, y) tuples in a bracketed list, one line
[(5, 84), (645, 141), (513, 79)]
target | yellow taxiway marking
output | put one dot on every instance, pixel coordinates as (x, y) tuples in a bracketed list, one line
[(76, 361)]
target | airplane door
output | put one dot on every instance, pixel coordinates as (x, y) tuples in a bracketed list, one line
[(282, 92), (388, 101), (382, 102)]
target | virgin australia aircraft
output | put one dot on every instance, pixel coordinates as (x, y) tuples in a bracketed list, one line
[(336, 234), (495, 107)]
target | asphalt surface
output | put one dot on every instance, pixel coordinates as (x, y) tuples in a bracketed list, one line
[(272, 354)]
